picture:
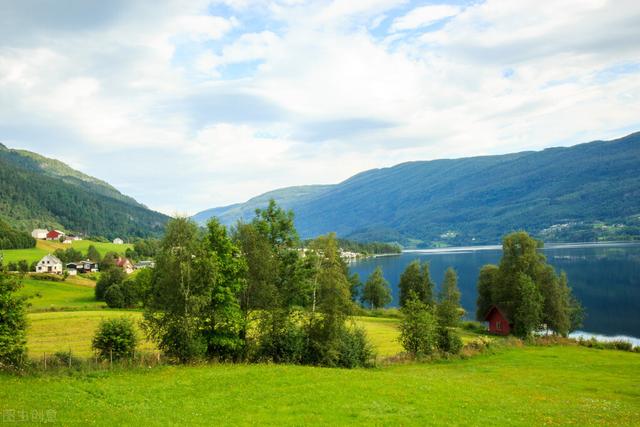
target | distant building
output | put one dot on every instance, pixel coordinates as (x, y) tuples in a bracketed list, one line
[(74, 237), (125, 264), (49, 264), (67, 241), (145, 264), (39, 233), (86, 266), (54, 235), (118, 241), (498, 323)]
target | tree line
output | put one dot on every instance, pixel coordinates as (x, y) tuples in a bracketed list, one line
[(11, 238)]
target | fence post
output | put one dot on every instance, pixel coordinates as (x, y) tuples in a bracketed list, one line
[(110, 357), (45, 360), (69, 357)]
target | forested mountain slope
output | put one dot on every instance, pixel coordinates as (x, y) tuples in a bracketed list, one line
[(39, 192), (561, 194)]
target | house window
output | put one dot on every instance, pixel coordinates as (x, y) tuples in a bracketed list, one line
[(499, 325)]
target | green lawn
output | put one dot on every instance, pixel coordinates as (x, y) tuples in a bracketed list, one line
[(518, 386), (44, 247), (69, 295)]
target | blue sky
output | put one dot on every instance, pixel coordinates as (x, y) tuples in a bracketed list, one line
[(191, 105)]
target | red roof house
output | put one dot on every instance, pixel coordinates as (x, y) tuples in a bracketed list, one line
[(54, 235), (498, 323)]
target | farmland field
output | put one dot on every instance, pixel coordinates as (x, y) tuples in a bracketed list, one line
[(516, 386), (74, 293), (44, 247)]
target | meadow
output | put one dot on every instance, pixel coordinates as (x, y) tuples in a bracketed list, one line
[(515, 386), (75, 293), (44, 247)]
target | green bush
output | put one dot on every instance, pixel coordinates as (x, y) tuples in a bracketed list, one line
[(13, 322), (449, 341), (285, 344), (355, 349), (47, 276), (108, 278), (114, 297), (418, 334), (115, 339), (475, 327)]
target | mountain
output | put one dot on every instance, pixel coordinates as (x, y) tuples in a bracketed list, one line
[(562, 194), (36, 191)]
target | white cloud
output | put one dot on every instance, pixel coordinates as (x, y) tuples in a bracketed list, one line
[(424, 16), (186, 111)]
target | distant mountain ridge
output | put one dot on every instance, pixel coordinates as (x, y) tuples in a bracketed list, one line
[(36, 191), (558, 193)]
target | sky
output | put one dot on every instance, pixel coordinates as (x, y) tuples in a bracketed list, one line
[(189, 105)]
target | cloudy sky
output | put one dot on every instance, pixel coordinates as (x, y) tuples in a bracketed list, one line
[(187, 105)]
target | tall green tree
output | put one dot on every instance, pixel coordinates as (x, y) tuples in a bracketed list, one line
[(449, 310), (181, 292), (377, 292), (326, 331), (225, 324), (418, 328), (486, 280), (13, 321), (527, 289), (416, 278)]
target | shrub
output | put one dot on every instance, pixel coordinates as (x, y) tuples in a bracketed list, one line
[(449, 341), (115, 339), (355, 349), (114, 297), (285, 344), (113, 276), (47, 276), (418, 328), (64, 359), (13, 322)]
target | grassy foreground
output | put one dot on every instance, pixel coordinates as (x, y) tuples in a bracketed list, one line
[(517, 386)]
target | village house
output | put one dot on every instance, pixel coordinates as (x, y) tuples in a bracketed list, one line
[(49, 264), (118, 241), (498, 323), (54, 235), (144, 264), (39, 233), (125, 264), (86, 266)]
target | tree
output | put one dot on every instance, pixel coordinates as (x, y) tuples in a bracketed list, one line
[(417, 279), (225, 324), (376, 290), (13, 321), (449, 310), (418, 328), (114, 297), (115, 339), (528, 309), (527, 289), (111, 277), (486, 281), (326, 332), (180, 294), (93, 254), (355, 287)]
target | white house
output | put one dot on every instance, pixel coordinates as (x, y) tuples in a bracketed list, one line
[(39, 233), (118, 241), (49, 264)]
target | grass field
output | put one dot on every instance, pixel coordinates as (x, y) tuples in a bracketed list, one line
[(517, 386), (75, 293), (71, 331), (44, 247)]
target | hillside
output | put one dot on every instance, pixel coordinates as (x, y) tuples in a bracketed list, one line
[(39, 192), (585, 192)]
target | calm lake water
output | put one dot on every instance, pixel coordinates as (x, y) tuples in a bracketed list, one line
[(605, 277)]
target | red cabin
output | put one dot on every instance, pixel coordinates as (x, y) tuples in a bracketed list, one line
[(498, 323), (54, 235)]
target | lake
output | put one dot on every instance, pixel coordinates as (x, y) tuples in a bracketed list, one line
[(605, 277)]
